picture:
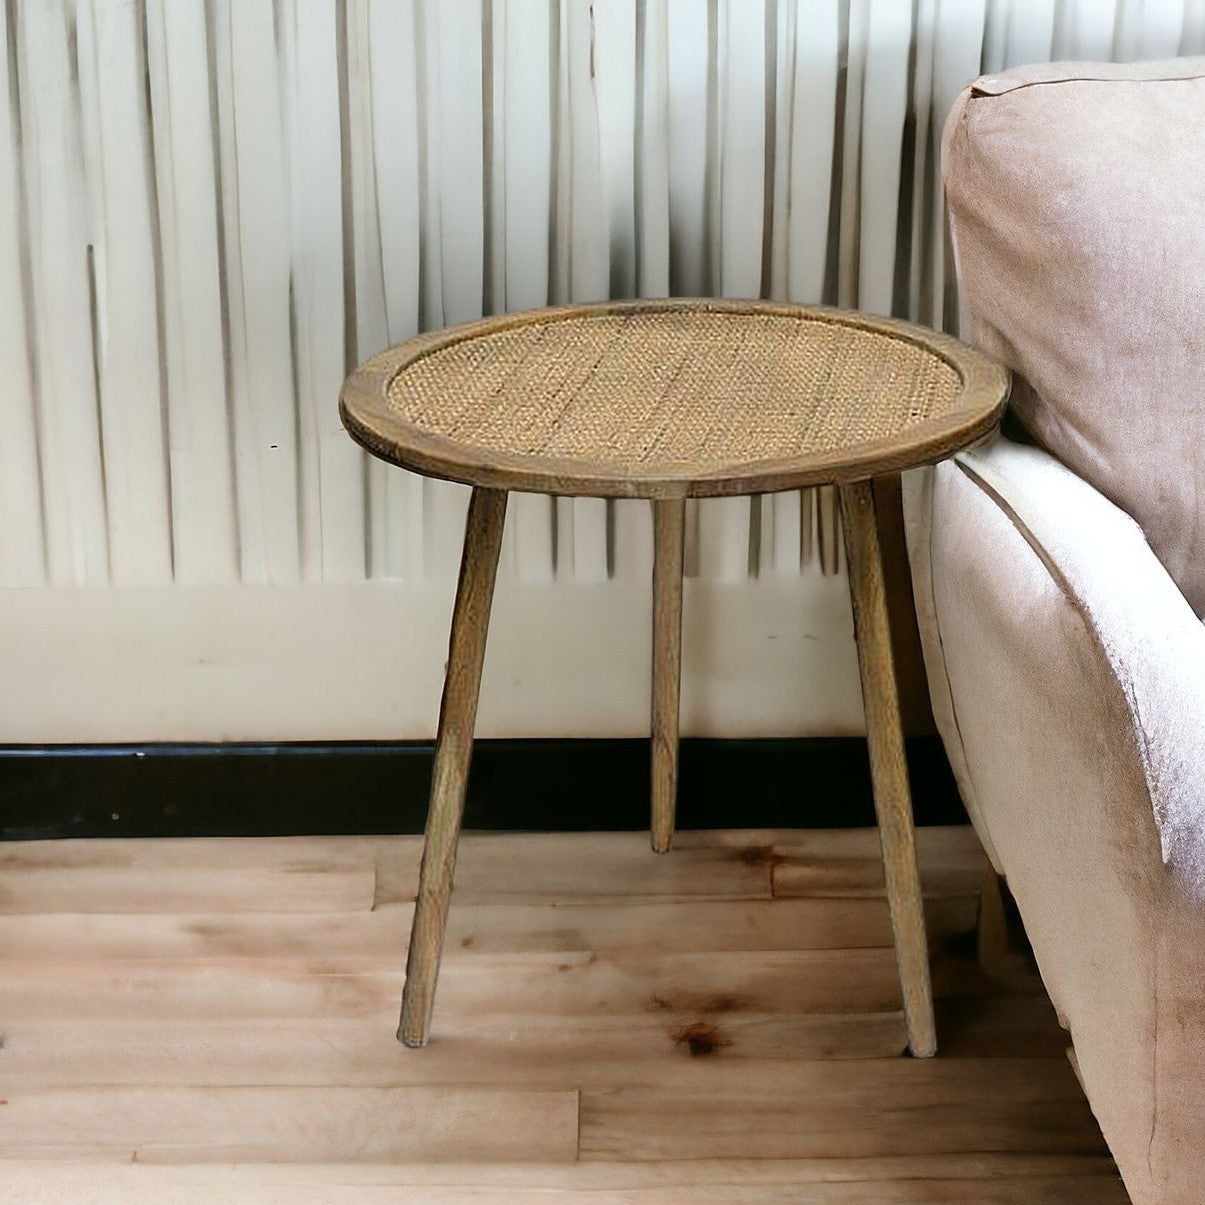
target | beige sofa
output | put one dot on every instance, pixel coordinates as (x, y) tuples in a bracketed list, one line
[(1060, 573)]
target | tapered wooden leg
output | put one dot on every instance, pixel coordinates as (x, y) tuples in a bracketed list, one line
[(453, 747), (889, 770), (668, 524)]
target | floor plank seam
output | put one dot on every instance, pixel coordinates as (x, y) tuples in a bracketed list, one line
[(700, 1036)]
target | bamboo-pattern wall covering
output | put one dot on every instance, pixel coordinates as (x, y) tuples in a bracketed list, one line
[(209, 209)]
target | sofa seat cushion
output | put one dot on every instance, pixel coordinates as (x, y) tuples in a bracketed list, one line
[(1077, 204)]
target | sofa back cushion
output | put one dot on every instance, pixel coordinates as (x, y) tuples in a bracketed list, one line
[(1077, 207)]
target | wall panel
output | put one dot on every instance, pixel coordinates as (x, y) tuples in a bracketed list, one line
[(213, 208)]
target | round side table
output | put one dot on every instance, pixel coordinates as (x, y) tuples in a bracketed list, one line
[(669, 400)]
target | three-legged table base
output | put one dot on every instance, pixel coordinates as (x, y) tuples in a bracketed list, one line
[(458, 712)]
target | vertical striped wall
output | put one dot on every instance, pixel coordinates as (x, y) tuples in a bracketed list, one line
[(212, 208)]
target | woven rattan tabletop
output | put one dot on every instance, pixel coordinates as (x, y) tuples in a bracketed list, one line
[(672, 398)]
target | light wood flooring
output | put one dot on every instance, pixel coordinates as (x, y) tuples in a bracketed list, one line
[(213, 1021)]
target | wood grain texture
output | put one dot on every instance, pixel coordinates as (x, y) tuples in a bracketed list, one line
[(837, 863), (888, 766), (518, 925), (701, 986), (916, 713), (668, 528), (653, 1125), (132, 876), (453, 749), (986, 1179), (722, 1049), (338, 874), (373, 419), (268, 1124), (671, 1052), (497, 1049)]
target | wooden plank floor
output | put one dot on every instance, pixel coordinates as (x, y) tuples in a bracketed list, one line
[(213, 1020)]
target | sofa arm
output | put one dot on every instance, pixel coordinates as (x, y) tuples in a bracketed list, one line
[(1068, 681), (1148, 636)]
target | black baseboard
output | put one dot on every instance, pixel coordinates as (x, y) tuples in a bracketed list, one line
[(549, 785)]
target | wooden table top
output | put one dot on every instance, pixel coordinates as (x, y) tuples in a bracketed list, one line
[(677, 398)]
